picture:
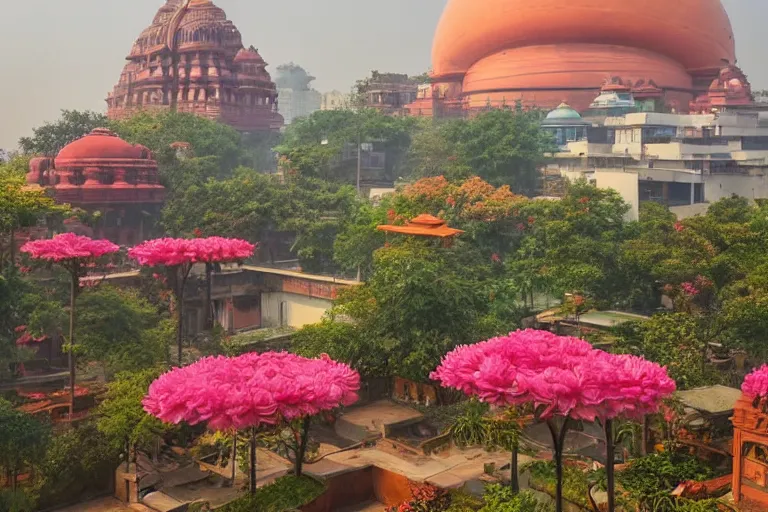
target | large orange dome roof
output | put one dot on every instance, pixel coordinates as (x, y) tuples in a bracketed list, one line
[(695, 33)]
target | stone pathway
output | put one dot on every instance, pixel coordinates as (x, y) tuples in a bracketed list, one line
[(108, 504)]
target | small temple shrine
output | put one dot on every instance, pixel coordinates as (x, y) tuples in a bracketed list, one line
[(731, 90), (750, 453), (492, 53), (423, 225), (192, 59), (102, 172)]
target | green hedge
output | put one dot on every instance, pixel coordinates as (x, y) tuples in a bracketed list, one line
[(285, 493)]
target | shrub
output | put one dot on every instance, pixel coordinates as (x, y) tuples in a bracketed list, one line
[(500, 498), (16, 501), (288, 492)]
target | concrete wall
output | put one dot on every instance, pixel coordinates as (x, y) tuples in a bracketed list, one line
[(719, 186), (300, 310), (626, 184)]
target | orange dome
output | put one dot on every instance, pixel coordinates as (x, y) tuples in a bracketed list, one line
[(543, 75), (101, 144), (695, 33)]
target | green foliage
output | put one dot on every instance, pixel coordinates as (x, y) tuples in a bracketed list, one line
[(158, 130), (471, 427), (122, 419), (420, 301), (50, 138), (650, 478), (287, 492), (499, 498), (576, 483), (16, 501), (502, 146), (121, 329), (675, 340), (78, 462), (23, 439), (463, 501), (312, 146), (342, 341)]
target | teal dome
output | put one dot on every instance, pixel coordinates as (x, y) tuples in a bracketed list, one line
[(564, 112)]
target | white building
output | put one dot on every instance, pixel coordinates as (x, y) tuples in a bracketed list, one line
[(335, 100), (684, 161), (297, 103)]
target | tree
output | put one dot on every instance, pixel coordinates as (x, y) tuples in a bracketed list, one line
[(122, 330), (73, 253), (314, 146), (254, 206), (420, 301), (177, 256), (158, 130), (23, 440), (122, 418), (21, 208), (563, 378), (50, 138), (77, 460), (501, 146), (343, 342), (675, 340), (252, 390)]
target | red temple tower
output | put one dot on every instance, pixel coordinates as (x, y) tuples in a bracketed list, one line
[(191, 59)]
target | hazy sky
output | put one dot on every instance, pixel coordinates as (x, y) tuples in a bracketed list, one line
[(66, 54)]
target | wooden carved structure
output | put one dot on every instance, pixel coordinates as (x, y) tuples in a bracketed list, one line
[(750, 449)]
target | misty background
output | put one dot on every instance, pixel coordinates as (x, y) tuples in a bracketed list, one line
[(68, 54)]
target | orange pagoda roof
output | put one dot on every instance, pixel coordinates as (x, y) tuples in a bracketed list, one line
[(423, 225)]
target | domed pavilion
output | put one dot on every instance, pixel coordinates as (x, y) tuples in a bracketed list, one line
[(191, 59), (566, 125), (538, 54), (103, 173)]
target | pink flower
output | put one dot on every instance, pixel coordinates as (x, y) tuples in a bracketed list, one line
[(756, 383), (679, 227), (562, 376), (495, 258), (250, 390), (171, 252), (690, 289), (67, 247)]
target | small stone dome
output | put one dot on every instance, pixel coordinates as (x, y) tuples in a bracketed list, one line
[(563, 111), (101, 144)]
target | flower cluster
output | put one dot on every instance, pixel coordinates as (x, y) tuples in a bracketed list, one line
[(756, 383), (564, 376), (172, 252), (690, 289), (251, 390), (68, 246)]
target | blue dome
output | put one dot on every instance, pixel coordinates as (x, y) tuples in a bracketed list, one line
[(564, 112)]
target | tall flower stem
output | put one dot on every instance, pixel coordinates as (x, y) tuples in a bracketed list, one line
[(252, 480), (609, 470), (558, 441), (74, 288)]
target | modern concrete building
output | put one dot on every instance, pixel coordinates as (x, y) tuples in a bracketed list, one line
[(297, 98), (335, 100), (686, 161)]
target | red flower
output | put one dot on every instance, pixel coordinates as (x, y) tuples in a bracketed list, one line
[(584, 200), (521, 227), (531, 220), (197, 232), (450, 201), (495, 258), (391, 215), (679, 227)]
